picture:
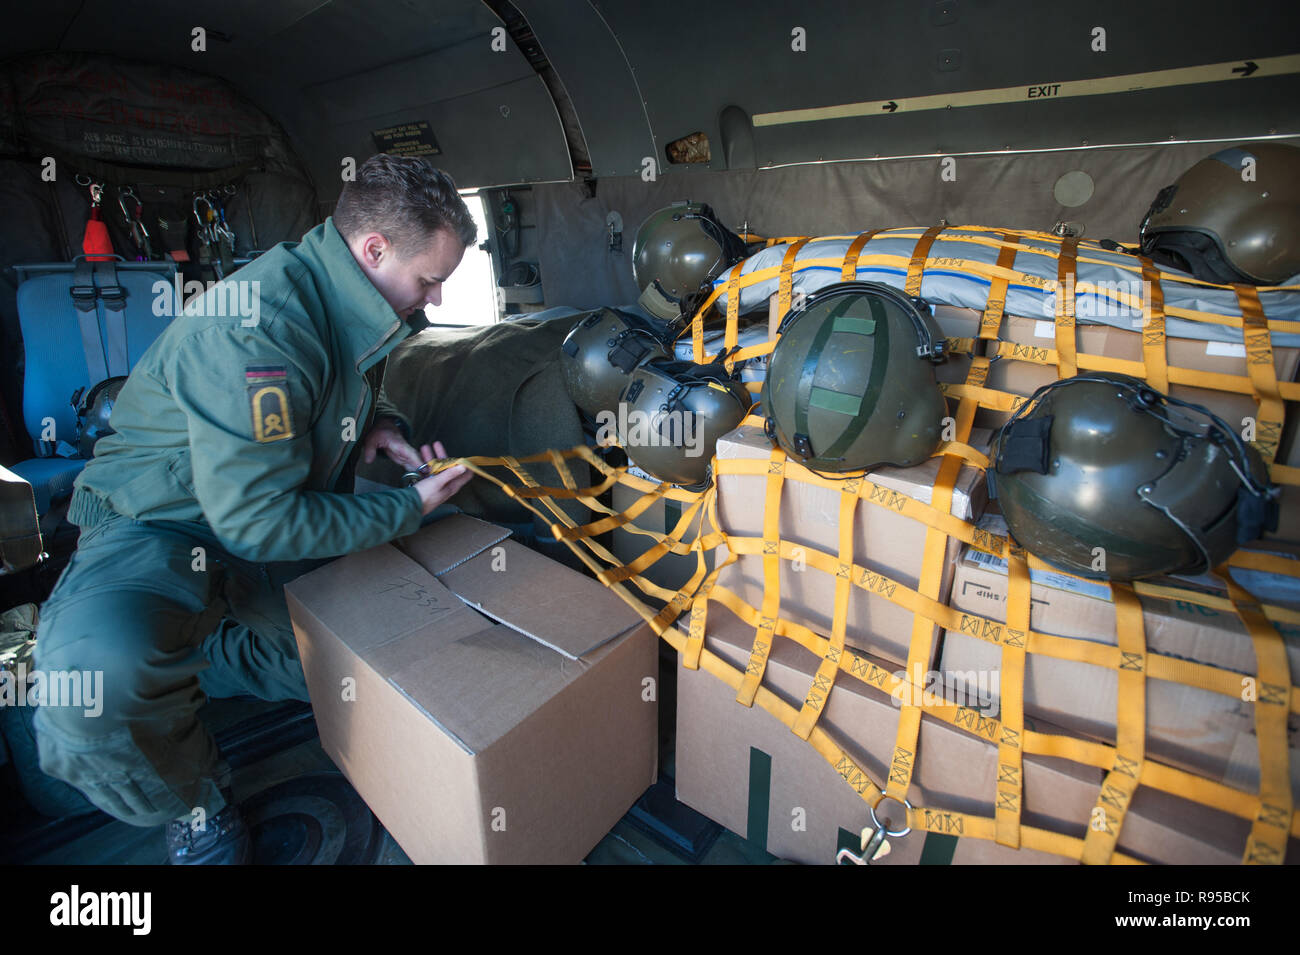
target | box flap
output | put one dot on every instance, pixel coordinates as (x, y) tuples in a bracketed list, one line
[(450, 542), (374, 597), (472, 678), (556, 606), (481, 686)]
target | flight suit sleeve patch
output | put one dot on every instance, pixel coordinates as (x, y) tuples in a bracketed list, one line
[(268, 396)]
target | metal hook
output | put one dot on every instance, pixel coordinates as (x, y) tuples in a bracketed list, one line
[(890, 832), (124, 193)]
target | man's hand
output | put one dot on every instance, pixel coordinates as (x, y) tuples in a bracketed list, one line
[(439, 487), (436, 488), (384, 436)]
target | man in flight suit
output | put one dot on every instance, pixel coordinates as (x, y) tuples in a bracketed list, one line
[(231, 472)]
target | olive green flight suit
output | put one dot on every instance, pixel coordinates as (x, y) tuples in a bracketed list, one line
[(229, 473)]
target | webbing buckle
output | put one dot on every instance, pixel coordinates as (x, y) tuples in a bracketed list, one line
[(114, 297), (83, 296)]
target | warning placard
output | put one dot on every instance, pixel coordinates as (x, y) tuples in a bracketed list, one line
[(409, 139)]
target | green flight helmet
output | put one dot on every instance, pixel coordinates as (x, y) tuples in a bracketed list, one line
[(671, 416), (851, 385), (678, 249), (1104, 477), (94, 408), (1227, 229), (602, 350)]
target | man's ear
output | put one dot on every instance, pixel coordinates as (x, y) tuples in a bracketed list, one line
[(372, 249)]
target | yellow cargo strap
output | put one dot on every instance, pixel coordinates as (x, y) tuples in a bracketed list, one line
[(763, 634), (1121, 782), (1066, 363), (995, 306), (916, 264), (1266, 844), (1263, 373), (1153, 328), (849, 272), (933, 561), (785, 286), (824, 678), (1010, 785)]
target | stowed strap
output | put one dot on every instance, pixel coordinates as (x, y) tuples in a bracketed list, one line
[(85, 298), (113, 296), (97, 296)]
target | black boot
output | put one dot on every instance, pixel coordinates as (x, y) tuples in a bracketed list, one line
[(223, 841)]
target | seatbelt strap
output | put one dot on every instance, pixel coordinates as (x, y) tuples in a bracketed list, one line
[(114, 298), (85, 297)]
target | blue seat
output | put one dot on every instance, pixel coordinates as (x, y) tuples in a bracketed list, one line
[(81, 323)]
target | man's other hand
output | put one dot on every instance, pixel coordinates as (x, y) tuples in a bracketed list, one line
[(437, 488), (384, 436)]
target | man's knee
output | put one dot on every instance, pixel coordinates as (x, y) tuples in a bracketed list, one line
[(118, 659)]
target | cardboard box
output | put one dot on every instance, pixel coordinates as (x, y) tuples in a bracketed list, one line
[(884, 541), (486, 702), (1198, 730), (1023, 377), (745, 769), (671, 571)]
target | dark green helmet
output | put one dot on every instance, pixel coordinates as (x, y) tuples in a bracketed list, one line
[(850, 384), (1223, 228), (1104, 477), (677, 250), (672, 414), (94, 407), (602, 350)]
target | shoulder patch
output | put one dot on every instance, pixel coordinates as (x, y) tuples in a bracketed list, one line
[(268, 395)]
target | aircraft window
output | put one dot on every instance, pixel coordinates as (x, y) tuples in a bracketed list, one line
[(469, 296)]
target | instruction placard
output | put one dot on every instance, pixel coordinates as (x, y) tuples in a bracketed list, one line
[(409, 139)]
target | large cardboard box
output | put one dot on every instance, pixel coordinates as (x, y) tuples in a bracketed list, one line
[(1204, 732), (745, 769), (489, 704), (1023, 377), (884, 541)]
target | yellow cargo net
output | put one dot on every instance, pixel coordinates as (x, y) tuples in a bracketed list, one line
[(1270, 811)]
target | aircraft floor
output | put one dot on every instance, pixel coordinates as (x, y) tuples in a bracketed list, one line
[(627, 843)]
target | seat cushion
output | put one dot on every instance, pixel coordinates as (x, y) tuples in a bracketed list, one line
[(51, 478)]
